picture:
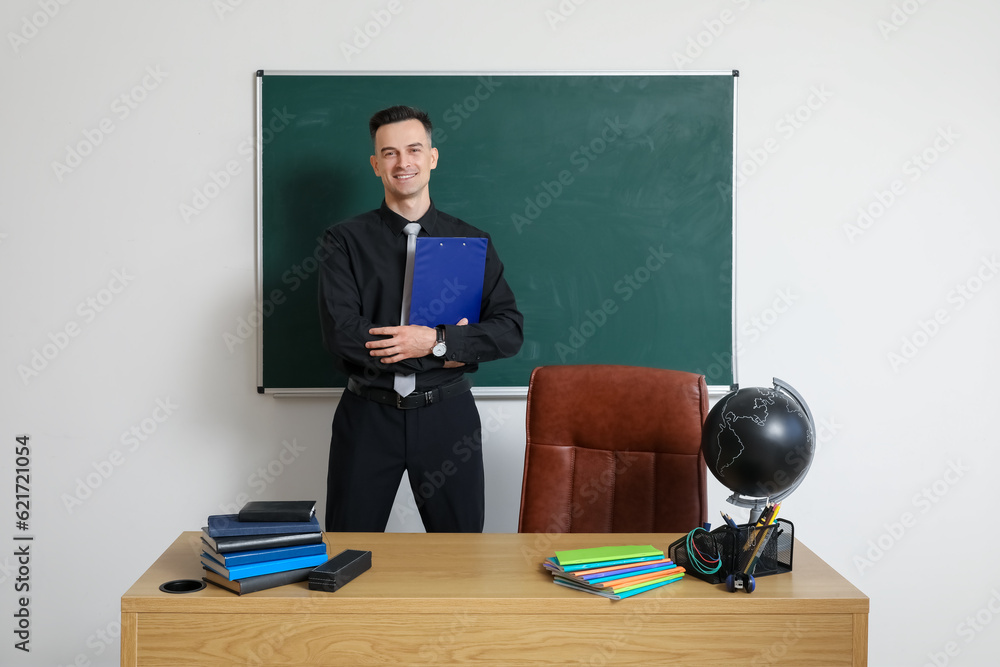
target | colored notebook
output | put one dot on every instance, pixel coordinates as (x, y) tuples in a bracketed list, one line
[(620, 595), (599, 554), (447, 280)]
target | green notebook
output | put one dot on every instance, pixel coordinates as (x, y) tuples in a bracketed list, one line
[(599, 554)]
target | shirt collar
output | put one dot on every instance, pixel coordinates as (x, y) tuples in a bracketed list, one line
[(396, 222)]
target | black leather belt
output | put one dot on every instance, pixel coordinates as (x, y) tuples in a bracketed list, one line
[(417, 399)]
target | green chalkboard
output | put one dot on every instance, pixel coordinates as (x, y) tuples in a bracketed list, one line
[(608, 198)]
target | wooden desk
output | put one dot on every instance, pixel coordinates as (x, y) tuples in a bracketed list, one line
[(439, 599)]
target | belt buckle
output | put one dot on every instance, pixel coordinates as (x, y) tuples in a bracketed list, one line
[(428, 400), (400, 399)]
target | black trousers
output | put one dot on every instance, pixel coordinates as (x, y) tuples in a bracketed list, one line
[(440, 448)]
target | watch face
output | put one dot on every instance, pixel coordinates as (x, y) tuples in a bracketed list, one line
[(439, 350)]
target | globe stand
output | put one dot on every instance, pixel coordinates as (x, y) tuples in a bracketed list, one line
[(756, 505)]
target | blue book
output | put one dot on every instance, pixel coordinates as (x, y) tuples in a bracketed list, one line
[(447, 280), (267, 567), (228, 525), (260, 555)]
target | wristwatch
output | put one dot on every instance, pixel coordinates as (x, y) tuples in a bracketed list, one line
[(440, 348)]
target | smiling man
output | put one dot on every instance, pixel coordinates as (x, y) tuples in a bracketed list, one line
[(408, 406)]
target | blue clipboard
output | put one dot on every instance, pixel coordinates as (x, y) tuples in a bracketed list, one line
[(447, 280)]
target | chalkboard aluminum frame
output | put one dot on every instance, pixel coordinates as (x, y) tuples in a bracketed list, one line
[(484, 392)]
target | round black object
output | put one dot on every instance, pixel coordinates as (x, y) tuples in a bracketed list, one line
[(759, 442), (182, 586)]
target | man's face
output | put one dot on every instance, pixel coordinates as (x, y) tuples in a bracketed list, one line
[(404, 159)]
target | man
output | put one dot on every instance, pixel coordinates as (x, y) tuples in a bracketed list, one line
[(434, 432)]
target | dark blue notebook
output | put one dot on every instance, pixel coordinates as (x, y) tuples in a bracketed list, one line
[(228, 525), (447, 280)]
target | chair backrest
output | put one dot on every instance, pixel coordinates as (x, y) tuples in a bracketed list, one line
[(614, 449)]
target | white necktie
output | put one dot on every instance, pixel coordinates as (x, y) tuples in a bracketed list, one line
[(405, 383)]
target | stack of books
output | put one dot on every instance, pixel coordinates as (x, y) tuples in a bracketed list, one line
[(614, 572), (268, 544)]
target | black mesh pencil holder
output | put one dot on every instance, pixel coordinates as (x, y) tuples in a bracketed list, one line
[(713, 556), (703, 554)]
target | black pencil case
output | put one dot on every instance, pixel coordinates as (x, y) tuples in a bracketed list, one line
[(339, 570)]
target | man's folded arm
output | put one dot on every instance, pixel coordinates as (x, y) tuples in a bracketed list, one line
[(345, 331)]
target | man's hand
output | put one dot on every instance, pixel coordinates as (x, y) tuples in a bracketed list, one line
[(406, 342)]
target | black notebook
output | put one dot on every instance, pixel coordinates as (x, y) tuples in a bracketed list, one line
[(278, 510)]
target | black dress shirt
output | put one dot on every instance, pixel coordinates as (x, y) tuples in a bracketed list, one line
[(361, 287)]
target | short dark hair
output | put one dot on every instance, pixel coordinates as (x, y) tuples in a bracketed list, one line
[(398, 114)]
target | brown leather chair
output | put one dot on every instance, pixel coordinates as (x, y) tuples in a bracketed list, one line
[(614, 449)]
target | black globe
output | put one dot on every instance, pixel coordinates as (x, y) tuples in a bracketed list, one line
[(759, 442)]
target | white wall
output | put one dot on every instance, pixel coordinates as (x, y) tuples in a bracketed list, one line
[(873, 85)]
